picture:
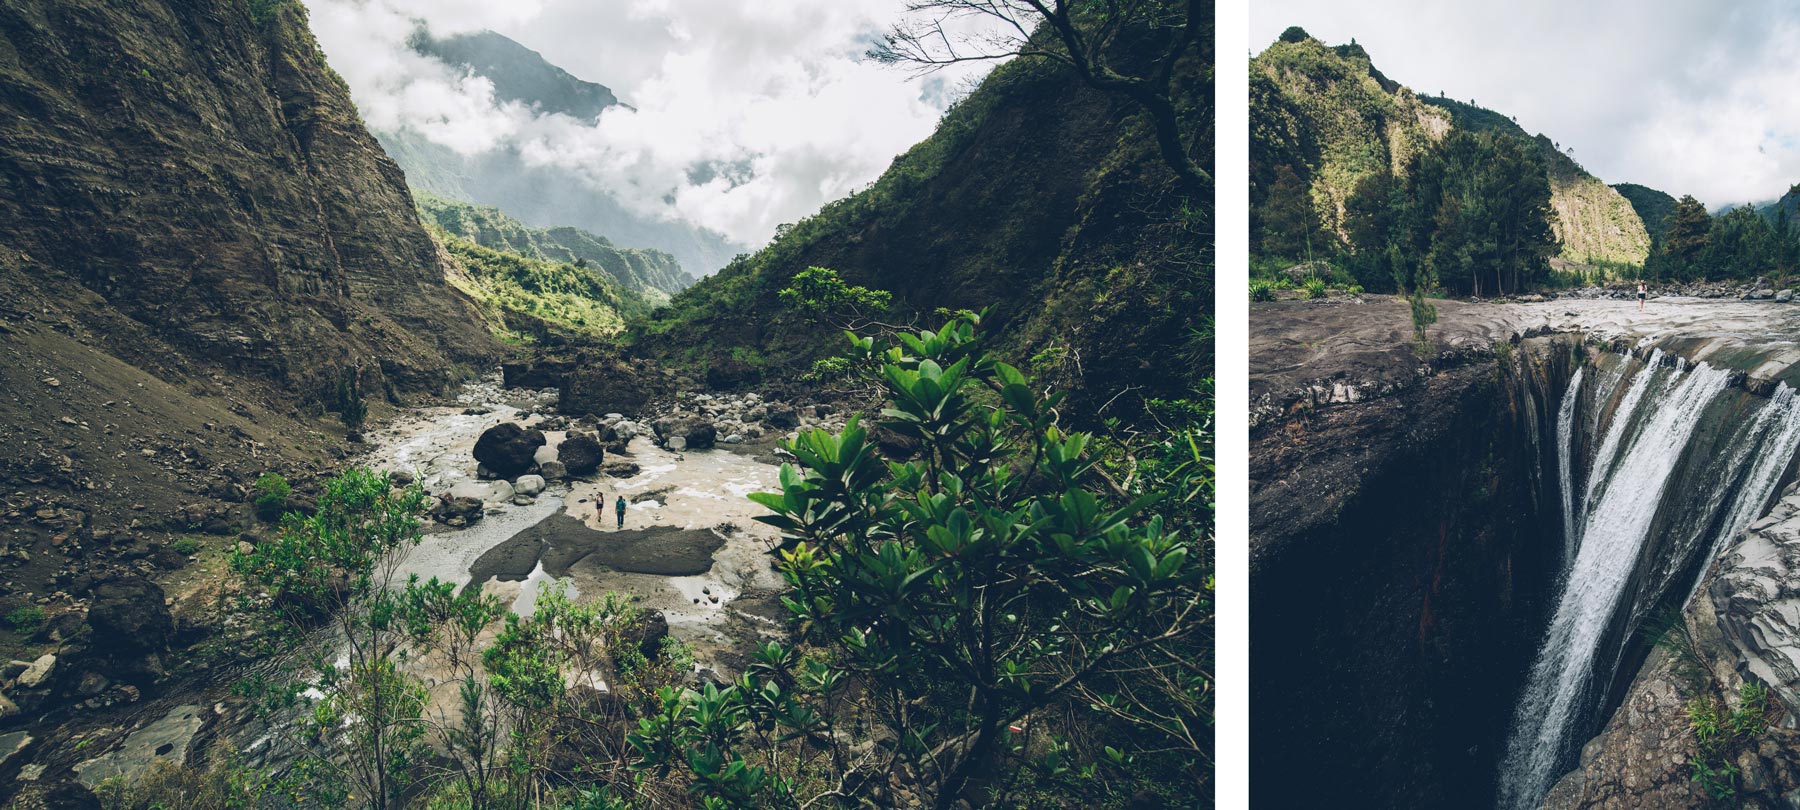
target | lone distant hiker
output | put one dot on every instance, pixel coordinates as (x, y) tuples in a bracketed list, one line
[(620, 508), (1643, 290)]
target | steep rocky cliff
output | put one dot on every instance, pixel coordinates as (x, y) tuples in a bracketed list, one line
[(1329, 114), (204, 174), (200, 242)]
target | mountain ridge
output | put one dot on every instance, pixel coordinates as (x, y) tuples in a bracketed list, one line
[(1330, 114)]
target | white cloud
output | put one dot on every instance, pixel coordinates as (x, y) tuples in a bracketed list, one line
[(1686, 96), (781, 89)]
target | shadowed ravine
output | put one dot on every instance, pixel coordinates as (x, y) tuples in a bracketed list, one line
[(1454, 576)]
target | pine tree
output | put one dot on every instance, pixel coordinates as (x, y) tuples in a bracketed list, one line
[(1688, 232)]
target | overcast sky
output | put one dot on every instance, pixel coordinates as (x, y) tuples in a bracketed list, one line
[(781, 87), (1687, 96)]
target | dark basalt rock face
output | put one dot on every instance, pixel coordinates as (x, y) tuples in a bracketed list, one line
[(130, 615), (698, 433), (607, 385), (581, 454), (508, 449), (205, 176), (1402, 560)]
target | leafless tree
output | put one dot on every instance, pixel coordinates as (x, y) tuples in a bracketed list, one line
[(1094, 37)]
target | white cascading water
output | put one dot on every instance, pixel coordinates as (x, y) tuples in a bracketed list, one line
[(1565, 447), (1617, 522), (1776, 432)]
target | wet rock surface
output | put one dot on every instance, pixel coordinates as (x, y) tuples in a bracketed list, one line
[(508, 449), (562, 542)]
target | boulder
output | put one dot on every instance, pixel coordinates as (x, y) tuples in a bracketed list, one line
[(38, 674), (894, 445), (581, 453), (528, 485), (1784, 297), (608, 385), (781, 417), (621, 468), (130, 615), (507, 449), (729, 373), (695, 433), (553, 470), (454, 511), (647, 634)]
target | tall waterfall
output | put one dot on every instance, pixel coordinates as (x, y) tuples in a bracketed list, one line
[(1565, 451), (1614, 524)]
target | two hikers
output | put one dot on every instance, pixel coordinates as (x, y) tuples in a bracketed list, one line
[(618, 507)]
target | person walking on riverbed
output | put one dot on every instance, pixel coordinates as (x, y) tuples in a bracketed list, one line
[(600, 508), (620, 508), (1643, 290)]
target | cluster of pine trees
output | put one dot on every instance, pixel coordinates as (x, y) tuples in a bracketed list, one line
[(1469, 215), (1740, 243)]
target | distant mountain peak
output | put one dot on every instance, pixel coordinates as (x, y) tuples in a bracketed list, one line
[(519, 74)]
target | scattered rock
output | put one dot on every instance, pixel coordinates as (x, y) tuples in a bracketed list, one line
[(621, 468), (528, 485), (553, 470), (508, 449), (696, 433), (581, 453), (39, 672), (781, 417), (130, 616), (456, 511)]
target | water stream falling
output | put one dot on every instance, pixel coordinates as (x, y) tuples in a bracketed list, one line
[(1621, 527), (1565, 449)]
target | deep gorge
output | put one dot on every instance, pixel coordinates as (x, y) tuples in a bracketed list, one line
[(1397, 625)]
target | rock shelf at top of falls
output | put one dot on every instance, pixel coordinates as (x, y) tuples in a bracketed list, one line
[(1321, 353)]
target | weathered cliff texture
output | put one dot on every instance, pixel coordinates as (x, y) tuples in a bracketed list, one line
[(1397, 585), (1328, 113), (206, 176), (198, 240), (1739, 627)]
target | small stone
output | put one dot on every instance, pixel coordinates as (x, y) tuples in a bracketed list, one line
[(52, 382), (39, 671), (529, 485), (677, 444), (523, 500)]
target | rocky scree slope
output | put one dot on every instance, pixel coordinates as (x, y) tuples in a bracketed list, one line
[(201, 243), (1038, 196), (1329, 114)]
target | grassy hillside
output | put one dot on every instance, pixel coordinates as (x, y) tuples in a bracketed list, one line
[(535, 298), (1329, 114), (1037, 196), (654, 274), (1652, 206)]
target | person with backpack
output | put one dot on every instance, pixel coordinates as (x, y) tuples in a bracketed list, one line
[(619, 507)]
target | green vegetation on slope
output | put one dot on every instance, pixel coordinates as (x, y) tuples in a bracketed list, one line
[(1652, 206), (1738, 244), (653, 273), (1038, 196), (1329, 116), (535, 297), (1083, 679)]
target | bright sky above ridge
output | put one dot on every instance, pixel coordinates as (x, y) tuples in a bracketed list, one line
[(781, 88), (1686, 96)]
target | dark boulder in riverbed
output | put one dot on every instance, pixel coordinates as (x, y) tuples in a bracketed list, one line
[(581, 454), (130, 613), (508, 449)]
